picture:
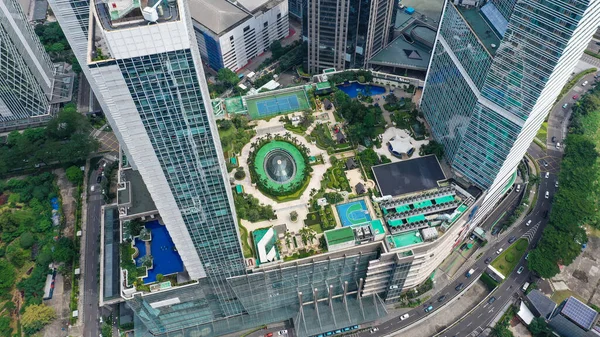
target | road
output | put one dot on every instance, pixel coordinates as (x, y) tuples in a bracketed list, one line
[(90, 274)]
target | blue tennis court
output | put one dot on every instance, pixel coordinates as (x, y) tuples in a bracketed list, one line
[(277, 104), (353, 213)]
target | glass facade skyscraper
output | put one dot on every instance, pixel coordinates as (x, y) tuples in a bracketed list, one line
[(488, 90), (26, 72), (344, 34)]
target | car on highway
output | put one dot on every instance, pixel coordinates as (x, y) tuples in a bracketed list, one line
[(575, 97), (512, 239), (492, 300), (488, 260), (374, 330), (547, 175), (429, 308), (405, 316), (441, 298), (499, 251), (528, 223), (556, 184), (565, 105), (547, 195), (459, 287), (520, 270)]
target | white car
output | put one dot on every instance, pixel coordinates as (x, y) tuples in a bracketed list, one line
[(500, 251), (547, 194), (558, 145), (584, 83), (547, 175), (520, 270), (374, 330), (403, 317), (281, 332), (528, 223), (556, 184)]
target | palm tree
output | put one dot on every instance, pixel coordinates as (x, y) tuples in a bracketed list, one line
[(287, 135), (288, 239), (304, 234), (312, 235), (269, 136)]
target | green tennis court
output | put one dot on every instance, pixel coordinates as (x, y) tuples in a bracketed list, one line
[(277, 104)]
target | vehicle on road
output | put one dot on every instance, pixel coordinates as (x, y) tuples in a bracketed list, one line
[(547, 195), (556, 184), (553, 139), (520, 270), (459, 287), (499, 251), (527, 256), (492, 300), (92, 188), (547, 175), (565, 105), (512, 239), (584, 83), (528, 223), (270, 334), (558, 145), (99, 179), (518, 189), (545, 214), (441, 298), (488, 260), (282, 332), (429, 308), (403, 317), (525, 286), (470, 272), (496, 230), (374, 330)]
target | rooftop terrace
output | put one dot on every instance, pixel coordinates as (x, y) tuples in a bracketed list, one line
[(408, 176), (484, 31), (117, 14)]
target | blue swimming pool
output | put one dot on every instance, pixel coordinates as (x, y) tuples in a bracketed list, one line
[(166, 258), (354, 89), (353, 213)]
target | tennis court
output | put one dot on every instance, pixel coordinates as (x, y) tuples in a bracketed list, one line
[(277, 104), (353, 213)]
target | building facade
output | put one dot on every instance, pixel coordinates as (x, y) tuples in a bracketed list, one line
[(296, 8), (231, 35), (345, 34), (26, 72), (488, 91)]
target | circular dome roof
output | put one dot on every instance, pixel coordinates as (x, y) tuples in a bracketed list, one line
[(280, 166)]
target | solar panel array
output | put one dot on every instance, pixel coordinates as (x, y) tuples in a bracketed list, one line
[(579, 313)]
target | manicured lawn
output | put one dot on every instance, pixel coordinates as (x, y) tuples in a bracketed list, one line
[(561, 295), (317, 228), (543, 132), (323, 136), (508, 260), (247, 250)]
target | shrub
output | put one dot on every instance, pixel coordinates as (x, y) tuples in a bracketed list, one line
[(239, 174), (26, 240)]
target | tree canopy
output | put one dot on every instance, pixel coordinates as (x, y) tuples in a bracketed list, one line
[(432, 147), (227, 77), (74, 174), (35, 317), (363, 122)]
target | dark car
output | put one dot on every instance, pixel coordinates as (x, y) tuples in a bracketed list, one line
[(553, 139), (496, 230), (99, 179), (488, 260), (459, 287), (491, 300), (441, 298), (545, 215), (512, 239)]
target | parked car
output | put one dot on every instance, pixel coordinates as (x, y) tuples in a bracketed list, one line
[(374, 330), (547, 175), (512, 239), (403, 317), (459, 287), (520, 270), (499, 251), (281, 332), (496, 230), (565, 105), (528, 223), (441, 298), (553, 139), (429, 308), (545, 163), (488, 260), (556, 184), (270, 334), (558, 145), (492, 300), (545, 215), (547, 195), (99, 179), (584, 83), (575, 97), (527, 256)]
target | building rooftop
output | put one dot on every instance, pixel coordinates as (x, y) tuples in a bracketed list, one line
[(541, 303), (216, 15), (339, 235), (482, 28), (579, 313), (404, 239), (432, 9), (408, 176), (135, 195), (118, 14)]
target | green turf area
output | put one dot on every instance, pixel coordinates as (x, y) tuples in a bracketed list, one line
[(259, 164), (340, 235), (508, 260), (246, 249), (560, 295), (253, 103), (234, 105), (543, 132)]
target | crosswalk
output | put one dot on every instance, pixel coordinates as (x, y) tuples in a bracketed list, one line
[(531, 232)]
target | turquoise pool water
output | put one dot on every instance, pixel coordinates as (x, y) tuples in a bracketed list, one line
[(354, 89)]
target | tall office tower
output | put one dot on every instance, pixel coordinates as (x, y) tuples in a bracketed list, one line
[(489, 89), (296, 8), (26, 72), (344, 34)]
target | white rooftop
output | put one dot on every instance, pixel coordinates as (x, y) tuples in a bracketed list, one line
[(401, 145), (251, 5), (216, 15)]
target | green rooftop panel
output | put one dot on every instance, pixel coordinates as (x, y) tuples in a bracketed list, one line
[(403, 208), (423, 204), (377, 226), (445, 199), (341, 235), (405, 239), (323, 85), (395, 223), (416, 218)]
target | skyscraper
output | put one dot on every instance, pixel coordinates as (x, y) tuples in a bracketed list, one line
[(489, 89), (26, 71), (344, 34)]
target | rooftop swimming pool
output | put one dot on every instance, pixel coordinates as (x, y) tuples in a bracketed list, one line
[(166, 259), (354, 89)]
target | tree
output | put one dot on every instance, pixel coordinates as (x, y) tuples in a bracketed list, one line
[(134, 227), (432, 147), (228, 77), (539, 328), (17, 256), (239, 173), (26, 240), (160, 277), (391, 98), (7, 276), (64, 251), (5, 329), (294, 216), (276, 50), (74, 174), (35, 317)]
